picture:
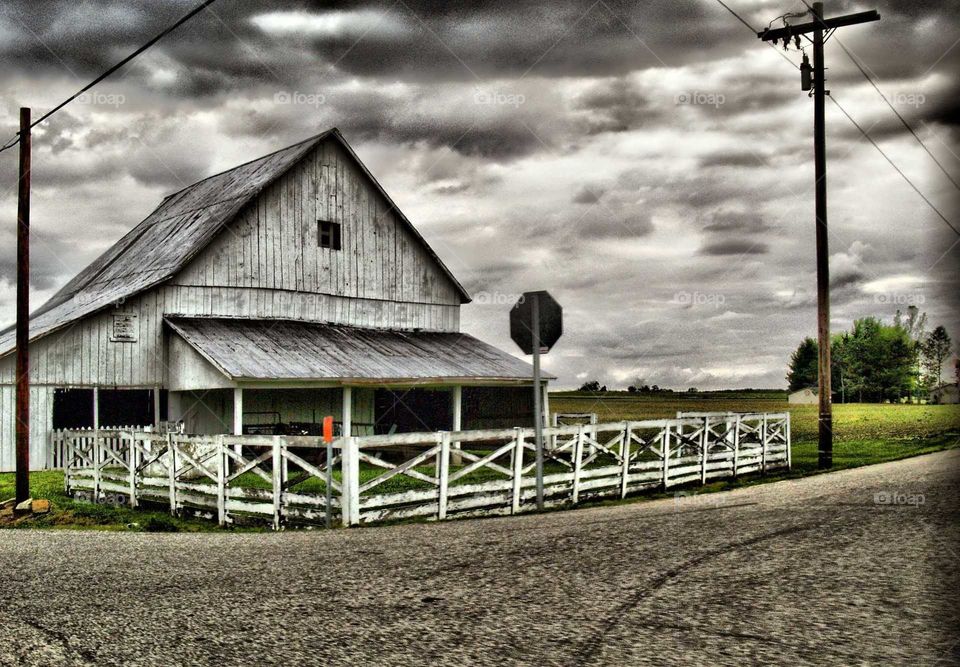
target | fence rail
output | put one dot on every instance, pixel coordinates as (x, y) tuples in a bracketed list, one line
[(362, 479)]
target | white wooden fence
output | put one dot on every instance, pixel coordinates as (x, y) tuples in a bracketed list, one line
[(359, 480)]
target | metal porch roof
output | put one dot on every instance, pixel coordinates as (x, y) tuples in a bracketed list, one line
[(288, 350)]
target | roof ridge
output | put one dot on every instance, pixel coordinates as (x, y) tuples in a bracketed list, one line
[(248, 162)]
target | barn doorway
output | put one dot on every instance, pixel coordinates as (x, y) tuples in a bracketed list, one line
[(72, 408), (128, 407), (412, 410)]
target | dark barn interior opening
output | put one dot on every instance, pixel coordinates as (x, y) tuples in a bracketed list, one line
[(126, 407), (497, 407), (72, 408), (412, 410)]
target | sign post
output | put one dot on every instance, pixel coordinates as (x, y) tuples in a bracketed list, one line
[(536, 323), (328, 482), (537, 398)]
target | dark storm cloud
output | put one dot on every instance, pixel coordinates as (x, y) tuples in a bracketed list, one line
[(734, 159), (614, 106), (734, 246), (723, 222), (587, 194), (49, 265), (609, 182)]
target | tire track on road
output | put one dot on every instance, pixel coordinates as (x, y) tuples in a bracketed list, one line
[(590, 646)]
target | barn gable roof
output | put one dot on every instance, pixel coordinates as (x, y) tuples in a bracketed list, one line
[(174, 233)]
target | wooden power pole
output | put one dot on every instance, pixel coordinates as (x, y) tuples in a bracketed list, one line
[(818, 27), (23, 313)]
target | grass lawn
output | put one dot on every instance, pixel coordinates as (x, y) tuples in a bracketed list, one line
[(68, 513), (864, 435)]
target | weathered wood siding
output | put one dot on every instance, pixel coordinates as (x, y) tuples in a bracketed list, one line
[(266, 264), (273, 243), (41, 412)]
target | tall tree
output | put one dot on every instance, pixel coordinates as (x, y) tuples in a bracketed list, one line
[(915, 324), (936, 350), (803, 365)]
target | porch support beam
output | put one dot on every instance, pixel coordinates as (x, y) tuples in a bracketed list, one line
[(346, 418), (457, 424), (238, 410), (156, 406)]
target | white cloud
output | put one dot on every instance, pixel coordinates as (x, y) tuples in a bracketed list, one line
[(335, 23)]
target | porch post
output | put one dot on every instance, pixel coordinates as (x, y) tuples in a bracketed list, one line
[(346, 418), (96, 408), (238, 410), (238, 417), (457, 425), (156, 406)]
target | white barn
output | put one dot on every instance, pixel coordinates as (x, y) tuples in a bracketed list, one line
[(260, 300)]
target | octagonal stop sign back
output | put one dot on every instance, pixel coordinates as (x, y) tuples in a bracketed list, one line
[(521, 321)]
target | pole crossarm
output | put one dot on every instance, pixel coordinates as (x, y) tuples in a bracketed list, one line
[(822, 24)]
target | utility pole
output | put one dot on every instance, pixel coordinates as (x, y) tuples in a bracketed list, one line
[(23, 313), (818, 27)]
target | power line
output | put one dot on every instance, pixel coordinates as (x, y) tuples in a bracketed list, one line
[(739, 18), (751, 28), (897, 113), (886, 100), (899, 171), (864, 132), (164, 33)]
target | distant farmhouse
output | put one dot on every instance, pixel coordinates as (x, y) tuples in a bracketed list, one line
[(261, 300), (806, 396), (945, 394)]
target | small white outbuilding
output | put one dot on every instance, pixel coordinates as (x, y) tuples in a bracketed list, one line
[(805, 396)]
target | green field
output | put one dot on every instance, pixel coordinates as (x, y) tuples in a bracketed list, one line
[(864, 434)]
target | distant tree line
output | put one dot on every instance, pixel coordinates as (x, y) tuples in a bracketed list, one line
[(877, 362)]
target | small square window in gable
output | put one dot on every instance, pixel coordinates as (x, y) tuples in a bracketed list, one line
[(328, 235)]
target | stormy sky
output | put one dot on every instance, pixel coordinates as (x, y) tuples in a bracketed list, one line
[(648, 163)]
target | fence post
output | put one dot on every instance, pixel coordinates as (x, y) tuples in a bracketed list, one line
[(350, 482), (96, 465), (328, 486), (763, 447), (172, 473), (704, 450), (66, 464), (736, 446), (665, 450), (625, 458), (517, 469), (277, 480), (444, 475), (789, 459), (577, 464), (594, 420), (132, 459), (222, 464)]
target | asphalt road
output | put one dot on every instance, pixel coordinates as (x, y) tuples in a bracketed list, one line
[(813, 571)]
